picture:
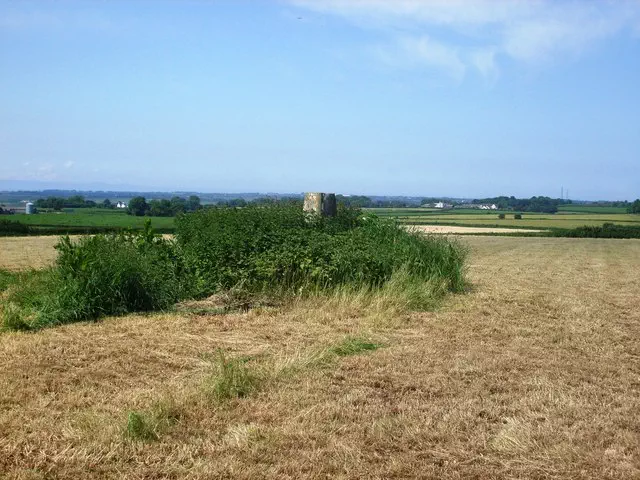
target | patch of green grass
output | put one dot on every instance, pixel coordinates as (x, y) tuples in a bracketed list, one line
[(147, 426), (7, 278), (139, 427), (353, 346)]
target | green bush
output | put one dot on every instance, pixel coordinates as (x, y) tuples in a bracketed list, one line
[(501, 216), (279, 248), (518, 216), (100, 275)]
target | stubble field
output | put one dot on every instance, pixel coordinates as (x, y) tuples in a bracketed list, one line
[(534, 373)]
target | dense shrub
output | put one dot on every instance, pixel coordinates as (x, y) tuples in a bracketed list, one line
[(517, 216), (277, 247), (100, 275), (501, 216), (268, 249)]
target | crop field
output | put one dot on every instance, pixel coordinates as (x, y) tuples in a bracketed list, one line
[(533, 373), (490, 219)]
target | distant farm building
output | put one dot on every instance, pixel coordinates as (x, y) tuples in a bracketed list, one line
[(442, 205), (121, 205)]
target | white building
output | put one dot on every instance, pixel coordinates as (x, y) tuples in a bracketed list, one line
[(121, 205)]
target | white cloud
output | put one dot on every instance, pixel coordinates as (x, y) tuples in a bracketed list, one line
[(476, 33), (68, 164)]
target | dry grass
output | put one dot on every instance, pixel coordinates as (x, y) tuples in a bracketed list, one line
[(23, 253), (533, 374)]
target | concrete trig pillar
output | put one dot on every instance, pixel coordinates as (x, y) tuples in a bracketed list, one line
[(320, 204)]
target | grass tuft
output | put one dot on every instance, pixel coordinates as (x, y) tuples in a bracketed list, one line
[(140, 427), (147, 426), (353, 346), (232, 379)]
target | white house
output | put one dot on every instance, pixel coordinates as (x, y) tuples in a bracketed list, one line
[(121, 205)]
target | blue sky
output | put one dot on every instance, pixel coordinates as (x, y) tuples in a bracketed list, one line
[(410, 97)]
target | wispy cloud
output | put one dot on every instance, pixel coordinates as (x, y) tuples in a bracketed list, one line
[(68, 164), (458, 36)]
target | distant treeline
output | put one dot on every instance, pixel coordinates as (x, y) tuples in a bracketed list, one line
[(634, 207), (139, 206), (361, 201), (75, 201), (241, 202)]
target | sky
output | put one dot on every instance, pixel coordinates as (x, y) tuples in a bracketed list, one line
[(405, 97)]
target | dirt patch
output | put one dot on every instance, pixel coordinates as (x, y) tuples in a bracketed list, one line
[(451, 229)]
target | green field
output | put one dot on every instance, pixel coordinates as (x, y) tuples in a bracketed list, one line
[(590, 209), (89, 218), (481, 218)]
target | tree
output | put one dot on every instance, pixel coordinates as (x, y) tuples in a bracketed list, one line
[(193, 203), (138, 206), (178, 205), (160, 208), (634, 207), (106, 203), (74, 201)]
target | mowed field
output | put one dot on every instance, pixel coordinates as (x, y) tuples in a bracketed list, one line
[(534, 373)]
